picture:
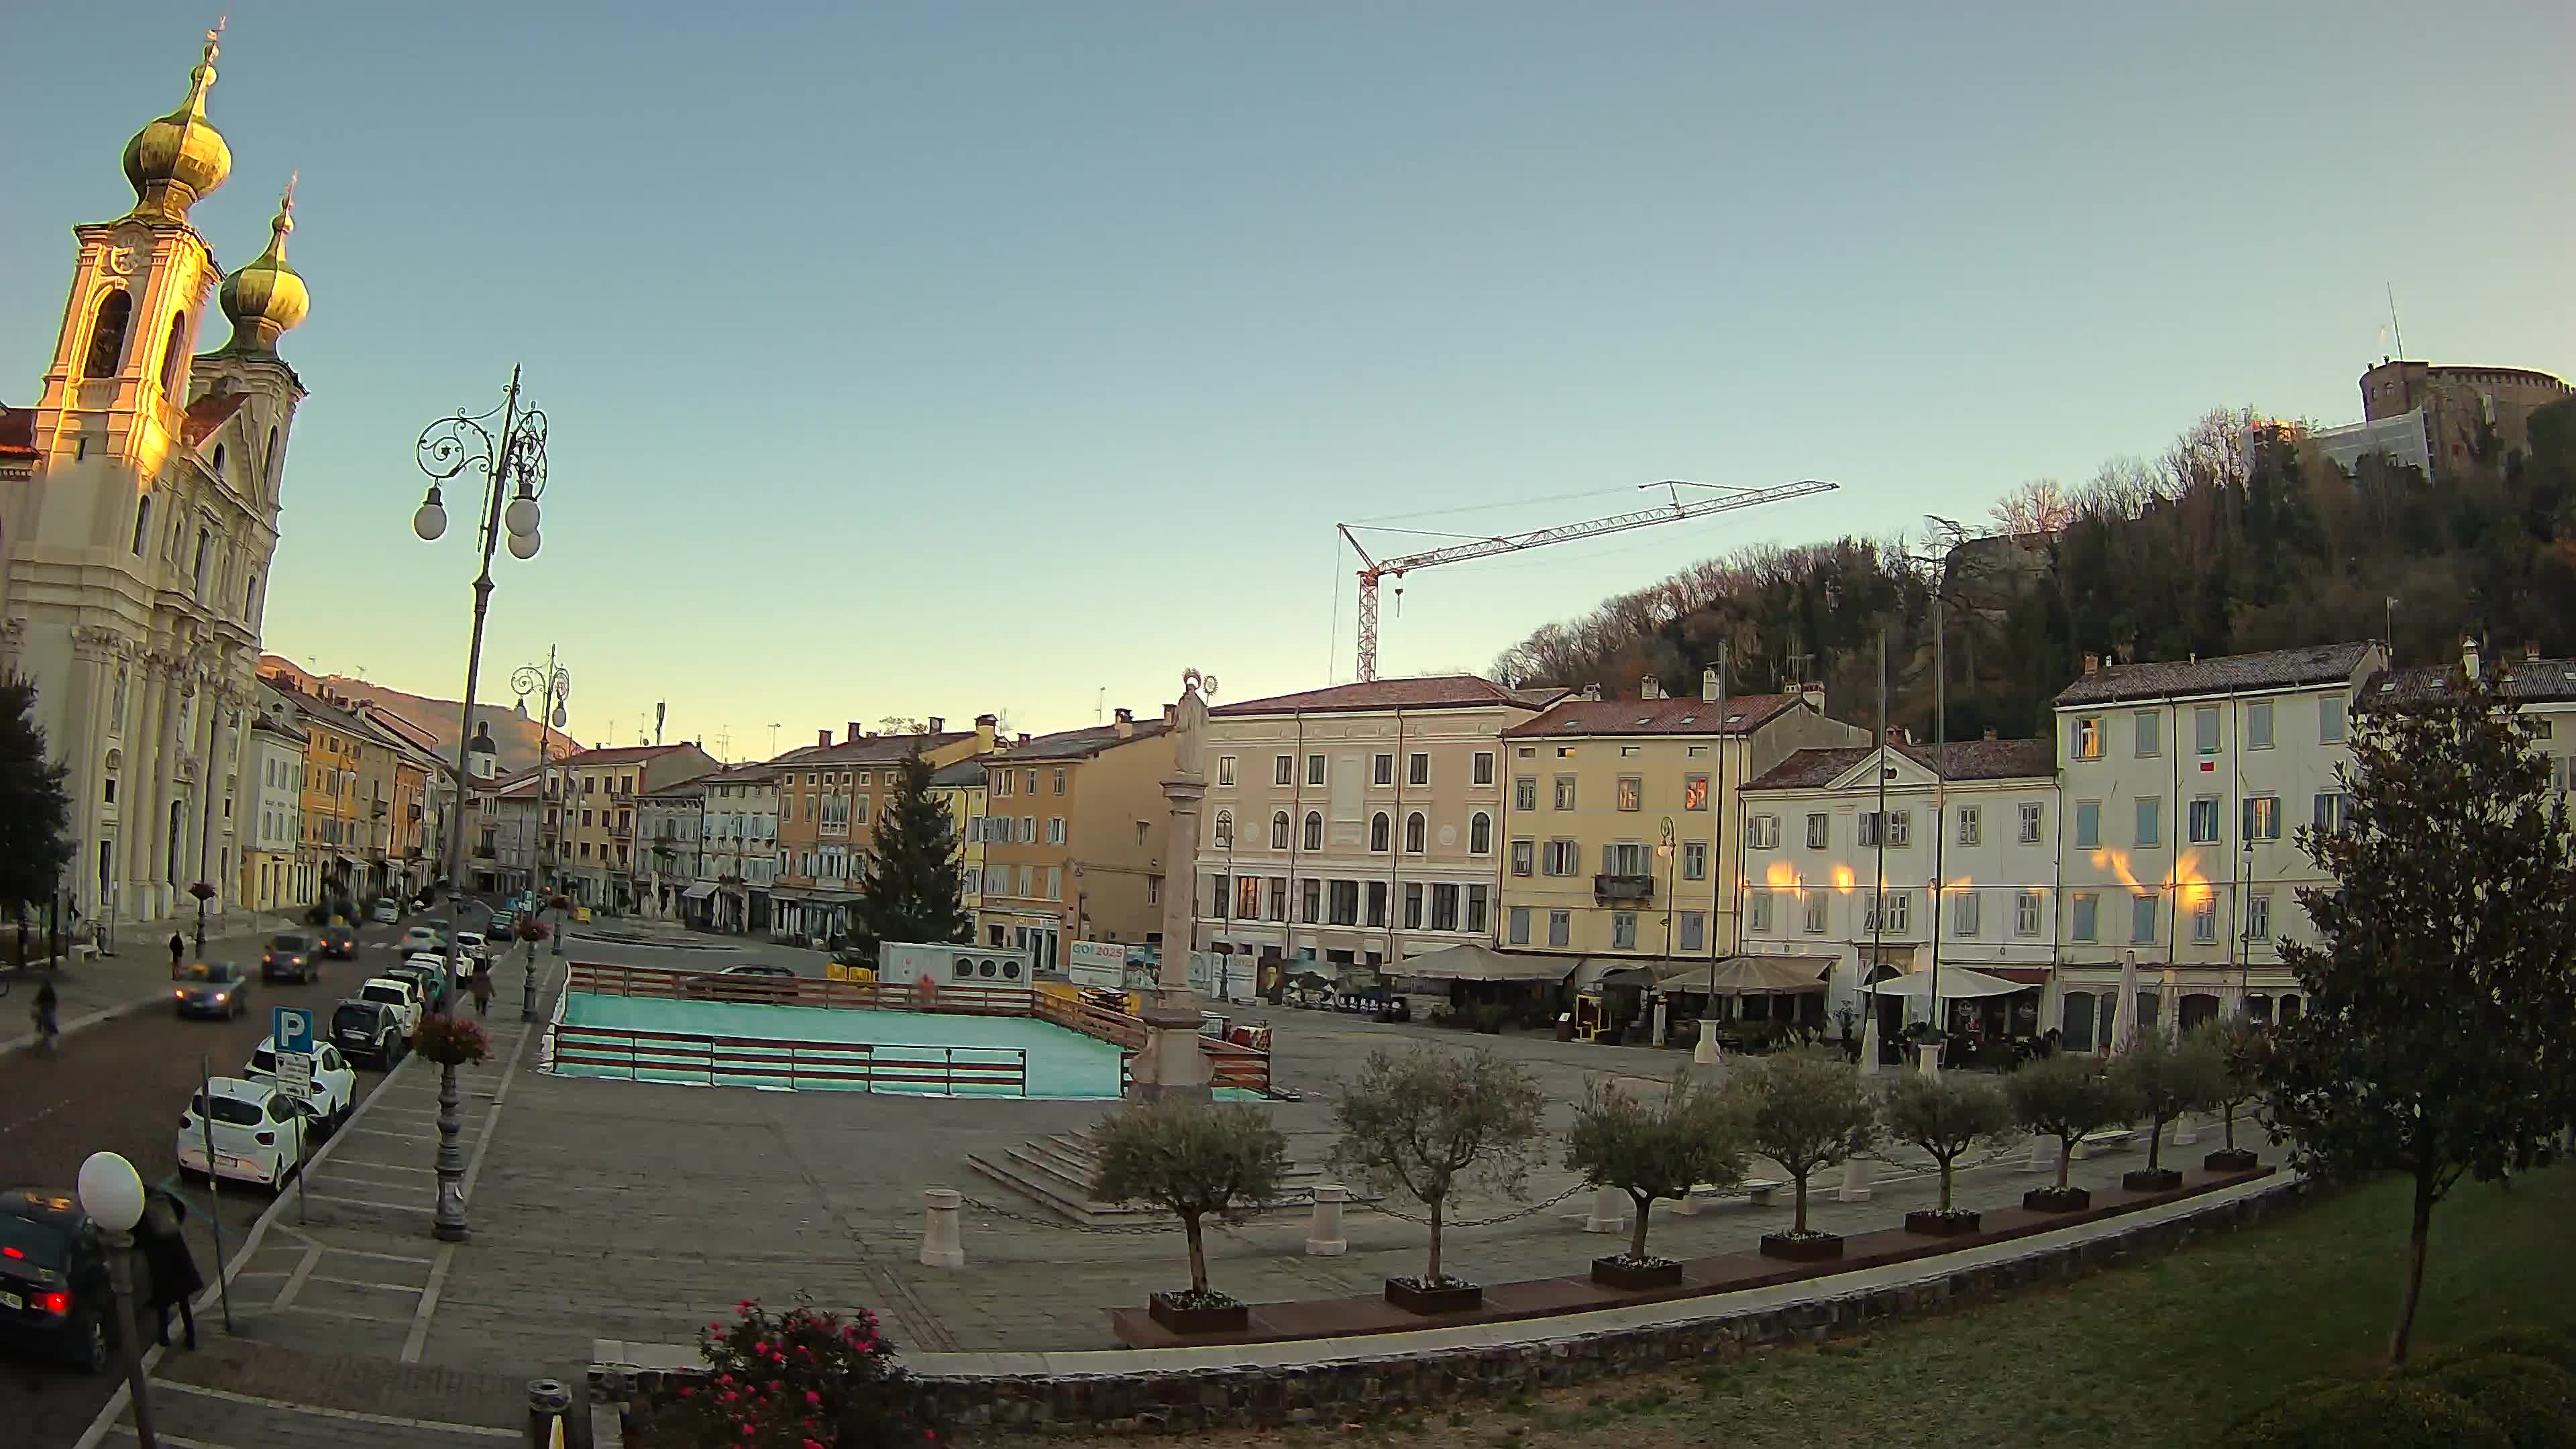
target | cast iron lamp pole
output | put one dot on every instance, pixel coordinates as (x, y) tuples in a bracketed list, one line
[(111, 1193), (555, 682), (448, 447)]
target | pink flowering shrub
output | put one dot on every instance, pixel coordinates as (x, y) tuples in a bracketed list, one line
[(803, 1379)]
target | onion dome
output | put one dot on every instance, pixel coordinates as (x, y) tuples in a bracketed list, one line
[(173, 162), (266, 297)]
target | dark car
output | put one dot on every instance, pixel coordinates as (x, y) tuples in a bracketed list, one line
[(53, 1279), (212, 988), (369, 1032), (753, 981), (431, 980), (339, 943), (289, 957)]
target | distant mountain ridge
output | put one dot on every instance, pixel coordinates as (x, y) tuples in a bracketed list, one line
[(517, 738)]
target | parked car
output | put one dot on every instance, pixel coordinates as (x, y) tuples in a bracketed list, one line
[(420, 938), (472, 946), (756, 981), (212, 988), (388, 911), (403, 996), (339, 943), (53, 1279), (370, 1032), (428, 979), (259, 1133), (435, 962), (335, 1082), (289, 957)]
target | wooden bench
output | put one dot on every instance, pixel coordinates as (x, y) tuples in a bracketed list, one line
[(1756, 1190), (2109, 1139)]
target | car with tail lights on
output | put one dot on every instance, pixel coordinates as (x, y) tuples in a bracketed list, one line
[(53, 1279)]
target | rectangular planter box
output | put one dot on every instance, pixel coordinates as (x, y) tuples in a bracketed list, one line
[(1462, 1298), (2160, 1179), (1231, 1318), (1612, 1273), (2056, 1200), (1818, 1248), (1941, 1225), (2230, 1159)]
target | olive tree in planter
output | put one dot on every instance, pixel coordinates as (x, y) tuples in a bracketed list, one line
[(1806, 1110), (1947, 1116), (1652, 1150), (2243, 1046), (2066, 1096), (2165, 1079), (1424, 1123), (1194, 1160)]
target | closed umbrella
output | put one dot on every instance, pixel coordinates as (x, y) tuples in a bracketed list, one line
[(2124, 1028)]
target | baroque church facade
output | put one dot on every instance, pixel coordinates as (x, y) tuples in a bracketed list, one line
[(139, 523)]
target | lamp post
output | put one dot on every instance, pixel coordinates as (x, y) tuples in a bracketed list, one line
[(1669, 852), (515, 458), (111, 1193)]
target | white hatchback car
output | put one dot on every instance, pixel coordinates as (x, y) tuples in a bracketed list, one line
[(335, 1082), (420, 938), (472, 946), (397, 993), (257, 1132)]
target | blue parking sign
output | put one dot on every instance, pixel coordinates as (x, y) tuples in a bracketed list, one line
[(291, 1028)]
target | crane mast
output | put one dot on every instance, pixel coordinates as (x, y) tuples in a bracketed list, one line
[(1374, 569)]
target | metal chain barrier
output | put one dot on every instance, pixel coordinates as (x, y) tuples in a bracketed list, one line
[(1107, 1229), (1445, 1224)]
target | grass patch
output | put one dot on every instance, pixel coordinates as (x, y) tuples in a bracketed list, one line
[(2235, 1320)]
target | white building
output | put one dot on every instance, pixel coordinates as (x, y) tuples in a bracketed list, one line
[(738, 848), (1978, 818), (2183, 787), (669, 826), (138, 544), (272, 877)]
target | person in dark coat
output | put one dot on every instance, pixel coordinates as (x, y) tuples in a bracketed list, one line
[(175, 1280), (178, 953), (480, 983)]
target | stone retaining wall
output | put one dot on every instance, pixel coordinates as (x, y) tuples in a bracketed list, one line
[(1264, 1395)]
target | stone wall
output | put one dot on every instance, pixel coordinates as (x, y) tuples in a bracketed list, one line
[(1256, 1395)]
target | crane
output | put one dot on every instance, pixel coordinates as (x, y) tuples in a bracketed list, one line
[(1675, 511)]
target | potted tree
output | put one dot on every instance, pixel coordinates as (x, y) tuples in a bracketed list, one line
[(1193, 1160), (2244, 1049), (1424, 1123), (1807, 1111), (2065, 1096), (1652, 1150), (1946, 1116), (2165, 1079)]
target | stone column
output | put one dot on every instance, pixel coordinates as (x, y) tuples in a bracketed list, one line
[(941, 1244), (1855, 1186), (1324, 1232), (1609, 1211), (1170, 1064)]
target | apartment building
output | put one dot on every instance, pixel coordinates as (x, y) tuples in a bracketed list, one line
[(1867, 862), (669, 826), (737, 850), (1357, 825), (961, 789), (1622, 834), (334, 838), (1074, 838), (830, 798), (505, 843), (2183, 783), (273, 874), (599, 793)]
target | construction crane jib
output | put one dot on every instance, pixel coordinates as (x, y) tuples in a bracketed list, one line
[(1374, 569)]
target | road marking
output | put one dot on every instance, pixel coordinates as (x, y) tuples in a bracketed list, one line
[(421, 1313), (296, 1280), (40, 1116), (338, 1313), (338, 1166), (368, 1202), (349, 1416), (388, 1257), (363, 1283), (397, 1136), (173, 1440), (474, 1168)]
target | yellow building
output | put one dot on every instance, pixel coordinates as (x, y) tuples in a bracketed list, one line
[(599, 865), (334, 837), (1622, 836), (830, 798), (1075, 840), (961, 787)]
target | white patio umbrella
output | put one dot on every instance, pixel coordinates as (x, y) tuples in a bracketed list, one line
[(1958, 983)]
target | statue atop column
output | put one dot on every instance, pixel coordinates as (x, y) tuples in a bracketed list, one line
[(1189, 724)]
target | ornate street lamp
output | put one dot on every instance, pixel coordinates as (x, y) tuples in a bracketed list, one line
[(111, 1193), (513, 465)]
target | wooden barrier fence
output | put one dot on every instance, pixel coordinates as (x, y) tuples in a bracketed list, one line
[(843, 1066)]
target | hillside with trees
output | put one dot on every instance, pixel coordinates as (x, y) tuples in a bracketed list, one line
[(2240, 536)]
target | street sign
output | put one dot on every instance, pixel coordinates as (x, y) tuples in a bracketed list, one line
[(295, 1073), (290, 1029)]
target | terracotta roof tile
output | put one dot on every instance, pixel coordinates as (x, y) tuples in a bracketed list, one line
[(1654, 716), (209, 413), (1079, 744), (1435, 691), (619, 755), (1965, 760), (2530, 681), (2226, 674)]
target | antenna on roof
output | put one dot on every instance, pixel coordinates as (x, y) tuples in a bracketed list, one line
[(2395, 331), (660, 708)]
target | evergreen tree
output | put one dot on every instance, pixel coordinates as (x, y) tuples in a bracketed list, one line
[(35, 814), (913, 888), (2440, 1036)]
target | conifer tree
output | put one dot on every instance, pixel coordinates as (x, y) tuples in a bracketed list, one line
[(913, 888), (35, 813)]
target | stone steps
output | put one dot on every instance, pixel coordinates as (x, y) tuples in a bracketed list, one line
[(1057, 1171)]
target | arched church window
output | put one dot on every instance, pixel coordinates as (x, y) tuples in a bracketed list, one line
[(173, 354), (142, 523), (275, 462), (219, 462), (205, 549), (107, 335)]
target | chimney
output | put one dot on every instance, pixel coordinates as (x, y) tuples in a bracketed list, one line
[(1708, 685), (2469, 656), (1592, 693), (1650, 688), (1813, 692), (856, 734), (938, 724), (985, 726), (823, 738), (2531, 652), (1023, 739), (1125, 723), (2092, 663)]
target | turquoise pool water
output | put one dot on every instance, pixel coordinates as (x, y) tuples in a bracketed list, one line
[(1060, 1063)]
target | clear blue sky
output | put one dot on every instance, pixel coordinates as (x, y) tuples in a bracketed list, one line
[(938, 358)]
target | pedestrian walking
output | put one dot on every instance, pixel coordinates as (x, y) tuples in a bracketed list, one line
[(175, 1280), (47, 1011), (178, 953), (480, 983)]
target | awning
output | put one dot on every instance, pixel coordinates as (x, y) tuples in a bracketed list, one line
[(1471, 962), (699, 892), (1957, 982), (1755, 976)]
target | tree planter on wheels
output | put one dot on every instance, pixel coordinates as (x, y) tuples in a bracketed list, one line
[(1803, 1247), (2057, 1200), (1199, 1313), (1933, 1223), (1634, 1275), (1448, 1296)]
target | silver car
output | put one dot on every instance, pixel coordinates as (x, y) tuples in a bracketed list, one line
[(212, 988)]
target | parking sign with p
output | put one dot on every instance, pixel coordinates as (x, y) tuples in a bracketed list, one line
[(291, 1029)]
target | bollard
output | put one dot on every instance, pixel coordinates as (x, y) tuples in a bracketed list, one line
[(940, 1245), (1324, 1232), (548, 1402), (1855, 1186), (1609, 1212), (2043, 1155), (2184, 1134)]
